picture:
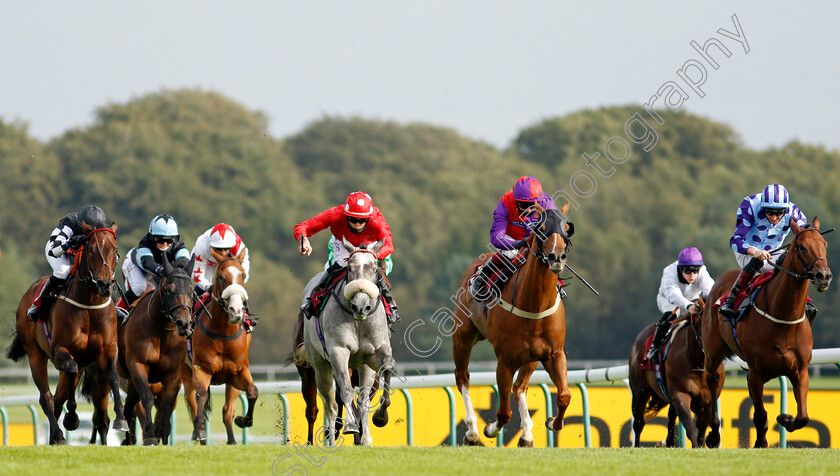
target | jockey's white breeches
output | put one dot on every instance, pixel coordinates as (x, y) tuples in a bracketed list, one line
[(61, 266)]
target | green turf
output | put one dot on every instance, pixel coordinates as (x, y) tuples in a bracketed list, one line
[(404, 461)]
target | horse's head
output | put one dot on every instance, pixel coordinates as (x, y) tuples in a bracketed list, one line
[(810, 248), (229, 287), (99, 258), (362, 290), (551, 237), (176, 288)]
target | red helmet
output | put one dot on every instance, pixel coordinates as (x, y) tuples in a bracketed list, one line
[(222, 236), (359, 205)]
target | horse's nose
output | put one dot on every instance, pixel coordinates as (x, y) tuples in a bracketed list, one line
[(354, 308), (552, 257)]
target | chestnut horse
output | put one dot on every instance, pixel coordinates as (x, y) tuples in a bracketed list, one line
[(153, 348), (80, 329), (220, 351), (526, 323), (685, 382), (773, 337)]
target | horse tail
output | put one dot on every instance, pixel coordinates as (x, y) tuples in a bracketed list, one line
[(654, 406), (88, 381), (300, 357), (16, 350)]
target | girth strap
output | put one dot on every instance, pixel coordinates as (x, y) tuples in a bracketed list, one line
[(530, 315)]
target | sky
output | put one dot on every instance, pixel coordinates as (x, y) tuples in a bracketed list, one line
[(485, 68)]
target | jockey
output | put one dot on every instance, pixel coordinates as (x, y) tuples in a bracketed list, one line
[(210, 248), (511, 227), (61, 249), (360, 223), (145, 261), (762, 226), (682, 281)]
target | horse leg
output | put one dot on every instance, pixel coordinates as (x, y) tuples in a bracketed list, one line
[(324, 380), (671, 438), (556, 368), (682, 402), (756, 386), (99, 396), (132, 410), (140, 382), (366, 377), (108, 363), (385, 364), (309, 390), (167, 399), (244, 381), (64, 393), (463, 341), (713, 440), (201, 383), (38, 369), (339, 359), (189, 389), (715, 383), (228, 410), (504, 380), (799, 383), (520, 390)]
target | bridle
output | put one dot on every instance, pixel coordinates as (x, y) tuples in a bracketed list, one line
[(90, 277), (217, 289), (541, 236), (167, 297), (808, 268)]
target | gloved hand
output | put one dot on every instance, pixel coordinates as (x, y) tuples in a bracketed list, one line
[(520, 244), (76, 241), (159, 271)]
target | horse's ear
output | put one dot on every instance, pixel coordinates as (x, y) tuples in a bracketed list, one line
[(114, 227), (795, 227), (565, 208), (190, 265), (167, 265), (241, 255), (349, 246), (86, 228), (217, 256), (816, 223), (530, 239), (377, 246), (570, 229)]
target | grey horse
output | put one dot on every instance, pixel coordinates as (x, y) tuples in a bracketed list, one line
[(355, 335)]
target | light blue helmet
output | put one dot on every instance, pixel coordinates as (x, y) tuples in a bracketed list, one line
[(775, 196), (163, 225)]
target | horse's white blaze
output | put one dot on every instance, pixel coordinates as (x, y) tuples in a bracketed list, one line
[(470, 419), (525, 418)]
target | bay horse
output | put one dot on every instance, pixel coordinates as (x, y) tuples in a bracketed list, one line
[(80, 329), (153, 348), (351, 331), (220, 350), (525, 323), (773, 337), (685, 382)]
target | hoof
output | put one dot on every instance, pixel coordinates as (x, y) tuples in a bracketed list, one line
[(243, 421), (380, 420), (350, 429), (492, 430), (150, 441), (469, 442), (127, 441), (525, 443), (199, 435), (71, 421), (120, 424), (713, 440), (60, 441)]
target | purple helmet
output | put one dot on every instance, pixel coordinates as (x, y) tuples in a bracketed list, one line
[(690, 257), (775, 196), (527, 189)]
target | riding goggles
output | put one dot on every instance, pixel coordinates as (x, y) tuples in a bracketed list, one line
[(774, 212), (357, 221), (165, 239), (691, 269)]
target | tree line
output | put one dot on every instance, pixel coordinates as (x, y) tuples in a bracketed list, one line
[(204, 159)]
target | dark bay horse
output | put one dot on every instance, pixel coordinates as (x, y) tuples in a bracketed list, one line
[(685, 383), (526, 325), (773, 337), (220, 351), (153, 348), (80, 329)]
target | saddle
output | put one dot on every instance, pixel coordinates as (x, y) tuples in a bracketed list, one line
[(320, 297), (499, 272), (121, 321), (741, 303)]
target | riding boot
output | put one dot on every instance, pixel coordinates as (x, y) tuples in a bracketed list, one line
[(810, 311), (307, 307), (480, 283), (46, 298), (385, 291), (560, 288), (726, 309), (661, 330)]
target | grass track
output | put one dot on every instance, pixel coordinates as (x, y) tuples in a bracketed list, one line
[(267, 459)]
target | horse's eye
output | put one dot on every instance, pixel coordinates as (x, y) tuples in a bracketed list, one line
[(800, 247)]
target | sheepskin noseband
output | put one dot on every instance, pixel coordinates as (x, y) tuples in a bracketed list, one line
[(361, 285)]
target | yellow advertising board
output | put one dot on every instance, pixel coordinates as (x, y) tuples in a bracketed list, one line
[(610, 419)]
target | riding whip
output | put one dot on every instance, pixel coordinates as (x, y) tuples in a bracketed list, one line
[(583, 280)]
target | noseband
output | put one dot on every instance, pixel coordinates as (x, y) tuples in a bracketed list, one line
[(541, 237), (217, 290), (167, 297)]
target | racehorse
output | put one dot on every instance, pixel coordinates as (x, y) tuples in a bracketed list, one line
[(685, 384), (773, 336), (220, 350), (153, 348), (80, 329), (351, 331), (526, 324)]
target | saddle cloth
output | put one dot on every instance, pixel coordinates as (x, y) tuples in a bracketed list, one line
[(754, 285), (500, 272), (319, 298)]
